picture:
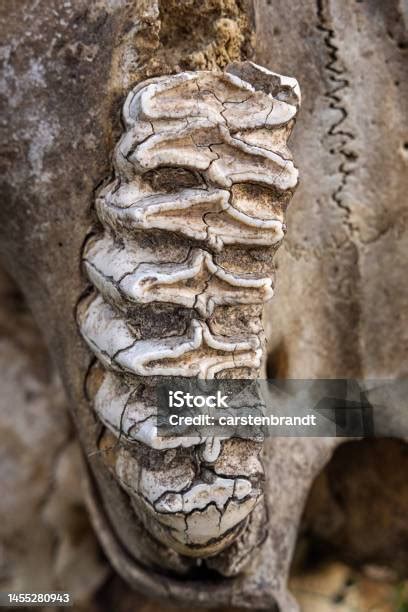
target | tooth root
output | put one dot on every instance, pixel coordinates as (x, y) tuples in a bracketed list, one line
[(183, 261)]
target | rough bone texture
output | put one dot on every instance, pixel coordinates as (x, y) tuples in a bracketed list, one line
[(189, 227)]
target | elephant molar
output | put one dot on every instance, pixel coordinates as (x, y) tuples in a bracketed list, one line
[(181, 267)]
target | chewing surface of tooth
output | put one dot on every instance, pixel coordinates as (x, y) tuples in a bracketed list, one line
[(202, 215), (196, 353), (190, 512), (180, 268), (121, 276), (130, 416), (197, 498)]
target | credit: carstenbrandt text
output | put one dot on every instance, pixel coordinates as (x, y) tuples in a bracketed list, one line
[(205, 420)]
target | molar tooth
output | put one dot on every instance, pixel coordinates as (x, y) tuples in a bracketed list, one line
[(203, 176)]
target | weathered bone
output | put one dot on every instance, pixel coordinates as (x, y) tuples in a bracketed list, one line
[(198, 214), (198, 282), (190, 225)]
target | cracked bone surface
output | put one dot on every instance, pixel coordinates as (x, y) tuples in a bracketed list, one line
[(188, 229)]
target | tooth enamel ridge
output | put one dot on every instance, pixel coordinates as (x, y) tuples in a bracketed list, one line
[(181, 267)]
